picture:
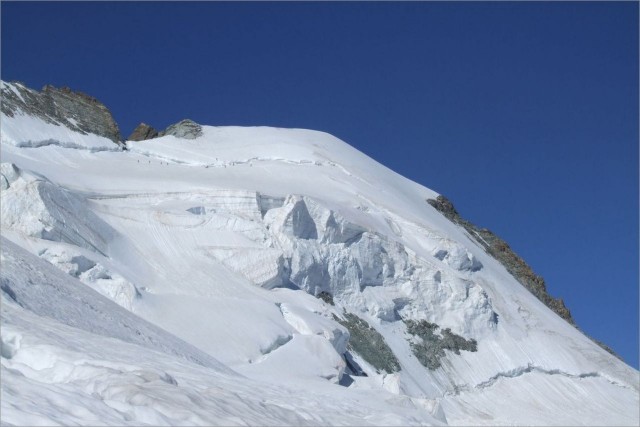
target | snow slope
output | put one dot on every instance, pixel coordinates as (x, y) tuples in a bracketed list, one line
[(70, 356), (186, 283)]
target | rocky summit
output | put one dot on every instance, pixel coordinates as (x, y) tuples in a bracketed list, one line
[(61, 106), (142, 132), (186, 129)]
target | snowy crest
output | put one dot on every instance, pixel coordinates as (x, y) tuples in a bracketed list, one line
[(228, 275)]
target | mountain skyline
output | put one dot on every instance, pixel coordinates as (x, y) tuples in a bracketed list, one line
[(524, 115), (243, 275)]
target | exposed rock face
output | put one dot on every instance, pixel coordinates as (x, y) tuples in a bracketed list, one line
[(187, 129), (429, 347), (500, 250), (75, 110), (81, 113), (142, 132), (369, 344)]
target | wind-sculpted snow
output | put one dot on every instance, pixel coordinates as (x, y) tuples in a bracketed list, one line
[(287, 256), (94, 274), (306, 323), (56, 374), (41, 209), (8, 174), (37, 286)]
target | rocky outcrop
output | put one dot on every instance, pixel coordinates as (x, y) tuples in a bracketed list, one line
[(81, 113), (186, 129), (369, 344), (516, 266), (142, 132), (61, 106), (500, 250), (429, 347)]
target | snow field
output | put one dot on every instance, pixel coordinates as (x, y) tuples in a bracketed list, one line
[(220, 244)]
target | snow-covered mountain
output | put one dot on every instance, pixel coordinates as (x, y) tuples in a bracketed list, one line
[(229, 275)]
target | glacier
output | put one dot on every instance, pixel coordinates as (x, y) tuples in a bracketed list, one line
[(264, 276)]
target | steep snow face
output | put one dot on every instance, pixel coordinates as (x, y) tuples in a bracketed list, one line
[(27, 131), (40, 288), (70, 356), (286, 256)]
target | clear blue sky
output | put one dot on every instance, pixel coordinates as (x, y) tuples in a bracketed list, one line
[(525, 115)]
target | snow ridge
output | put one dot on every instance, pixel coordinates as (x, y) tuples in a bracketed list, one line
[(251, 275)]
